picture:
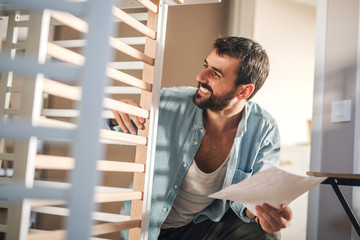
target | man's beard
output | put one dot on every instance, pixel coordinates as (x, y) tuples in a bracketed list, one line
[(213, 103)]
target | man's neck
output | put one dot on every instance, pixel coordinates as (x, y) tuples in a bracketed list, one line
[(225, 120)]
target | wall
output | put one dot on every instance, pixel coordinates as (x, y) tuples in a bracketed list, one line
[(334, 148), (286, 30), (191, 31)]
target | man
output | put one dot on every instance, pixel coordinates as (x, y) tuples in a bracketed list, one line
[(209, 138)]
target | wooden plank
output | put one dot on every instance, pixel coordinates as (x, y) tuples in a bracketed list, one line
[(96, 230), (334, 175), (67, 163), (70, 20), (37, 203), (74, 93), (65, 54), (104, 133), (82, 26), (61, 90), (149, 5), (69, 56), (132, 22), (132, 52), (123, 137), (141, 151), (98, 216), (125, 108), (128, 79), (115, 227), (104, 197)]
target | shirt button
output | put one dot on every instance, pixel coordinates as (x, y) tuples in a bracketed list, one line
[(196, 143), (175, 186), (185, 165), (165, 209), (202, 130)]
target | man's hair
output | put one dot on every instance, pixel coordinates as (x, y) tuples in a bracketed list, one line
[(254, 62)]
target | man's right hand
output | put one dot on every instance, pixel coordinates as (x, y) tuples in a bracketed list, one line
[(124, 120)]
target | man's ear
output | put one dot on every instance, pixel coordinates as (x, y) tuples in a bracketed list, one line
[(245, 91)]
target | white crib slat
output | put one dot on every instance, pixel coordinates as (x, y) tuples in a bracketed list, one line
[(117, 197), (82, 42), (122, 90), (96, 230), (74, 93), (149, 5), (70, 20), (60, 113), (133, 52), (126, 108), (67, 163), (133, 65), (115, 227), (98, 216), (128, 79), (61, 90), (133, 22), (65, 54), (38, 203), (123, 137)]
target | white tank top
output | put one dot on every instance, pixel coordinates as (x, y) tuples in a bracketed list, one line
[(193, 194)]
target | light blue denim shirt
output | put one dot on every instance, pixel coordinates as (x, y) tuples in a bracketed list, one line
[(180, 131)]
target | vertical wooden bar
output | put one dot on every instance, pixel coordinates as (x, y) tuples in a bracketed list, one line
[(7, 77), (30, 106), (145, 102)]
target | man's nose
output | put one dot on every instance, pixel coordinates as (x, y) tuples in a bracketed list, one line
[(203, 75)]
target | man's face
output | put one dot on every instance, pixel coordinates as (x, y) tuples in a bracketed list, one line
[(216, 82)]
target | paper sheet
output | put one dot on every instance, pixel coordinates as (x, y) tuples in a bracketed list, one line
[(273, 186)]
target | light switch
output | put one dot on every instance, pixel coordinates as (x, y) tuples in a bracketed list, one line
[(341, 111)]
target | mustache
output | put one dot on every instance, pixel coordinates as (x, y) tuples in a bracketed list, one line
[(206, 86)]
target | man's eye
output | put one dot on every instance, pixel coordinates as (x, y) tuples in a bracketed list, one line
[(216, 75), (205, 65)]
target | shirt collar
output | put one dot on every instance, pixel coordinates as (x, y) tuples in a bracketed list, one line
[(243, 122), (198, 123)]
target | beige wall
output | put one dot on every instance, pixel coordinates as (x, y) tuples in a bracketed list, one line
[(191, 31), (286, 30)]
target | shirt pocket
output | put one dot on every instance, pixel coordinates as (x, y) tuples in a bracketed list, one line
[(241, 175)]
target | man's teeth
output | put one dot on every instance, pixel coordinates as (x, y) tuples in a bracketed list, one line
[(204, 90)]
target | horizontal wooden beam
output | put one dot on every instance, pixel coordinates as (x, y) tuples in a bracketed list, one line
[(74, 93), (68, 163), (132, 22), (149, 5), (98, 229), (103, 197)]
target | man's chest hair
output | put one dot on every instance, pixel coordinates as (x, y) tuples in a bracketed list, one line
[(213, 152)]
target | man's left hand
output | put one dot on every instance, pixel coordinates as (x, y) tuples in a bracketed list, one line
[(273, 220)]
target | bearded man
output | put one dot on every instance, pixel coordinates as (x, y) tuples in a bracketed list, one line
[(208, 138)]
